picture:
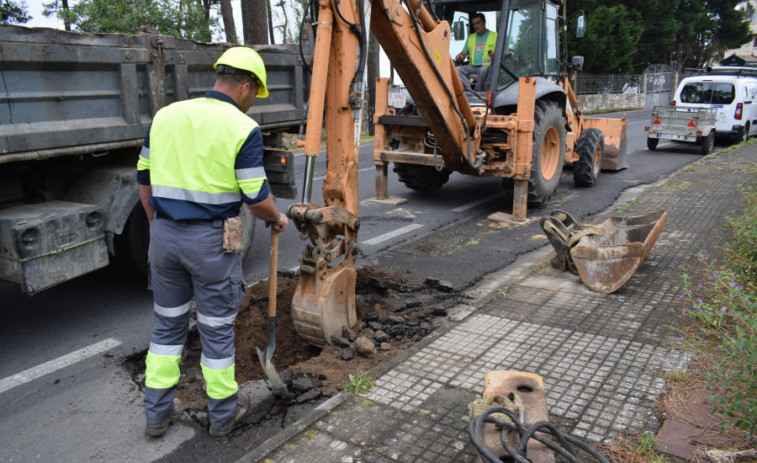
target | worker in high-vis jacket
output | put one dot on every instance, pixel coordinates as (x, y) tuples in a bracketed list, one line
[(479, 48), (201, 161)]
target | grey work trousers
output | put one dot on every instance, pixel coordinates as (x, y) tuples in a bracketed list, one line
[(482, 73), (187, 263)]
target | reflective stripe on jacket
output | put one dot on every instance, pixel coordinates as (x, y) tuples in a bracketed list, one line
[(193, 148), (491, 44)]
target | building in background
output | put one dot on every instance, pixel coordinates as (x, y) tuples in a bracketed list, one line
[(747, 54)]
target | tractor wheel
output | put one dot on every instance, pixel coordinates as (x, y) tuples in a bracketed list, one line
[(708, 143), (590, 149), (424, 179), (652, 143), (548, 152)]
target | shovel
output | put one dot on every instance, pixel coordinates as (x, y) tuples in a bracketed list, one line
[(278, 386)]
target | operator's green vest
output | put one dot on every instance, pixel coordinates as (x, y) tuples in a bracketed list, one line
[(193, 148), (491, 44)]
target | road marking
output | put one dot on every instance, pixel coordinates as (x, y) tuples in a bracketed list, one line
[(322, 177), (54, 365), (390, 235), (465, 207)]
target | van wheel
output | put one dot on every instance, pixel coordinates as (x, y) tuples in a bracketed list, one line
[(708, 143), (590, 149), (652, 143)]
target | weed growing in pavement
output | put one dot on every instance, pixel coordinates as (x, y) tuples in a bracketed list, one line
[(630, 203), (359, 383), (724, 307)]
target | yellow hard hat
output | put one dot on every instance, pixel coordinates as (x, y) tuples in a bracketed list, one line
[(246, 59)]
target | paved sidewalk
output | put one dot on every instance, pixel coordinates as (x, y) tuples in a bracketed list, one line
[(603, 357)]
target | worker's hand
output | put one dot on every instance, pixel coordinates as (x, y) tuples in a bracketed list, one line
[(280, 225)]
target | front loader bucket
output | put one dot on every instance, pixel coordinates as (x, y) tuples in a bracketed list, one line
[(321, 307), (607, 262), (607, 255), (616, 141)]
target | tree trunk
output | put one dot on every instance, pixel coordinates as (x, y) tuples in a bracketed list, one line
[(255, 28), (228, 21), (66, 24), (270, 21)]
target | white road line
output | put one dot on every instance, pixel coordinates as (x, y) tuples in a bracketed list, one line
[(465, 207), (316, 179), (54, 365), (390, 235)]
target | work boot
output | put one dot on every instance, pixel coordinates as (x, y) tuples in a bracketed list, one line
[(243, 407), (157, 430)]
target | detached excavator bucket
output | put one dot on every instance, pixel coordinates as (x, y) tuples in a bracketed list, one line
[(607, 255), (616, 141)]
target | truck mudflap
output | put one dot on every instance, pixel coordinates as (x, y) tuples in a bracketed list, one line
[(48, 243), (616, 141), (607, 255)]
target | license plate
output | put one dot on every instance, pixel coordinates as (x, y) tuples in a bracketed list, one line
[(670, 136)]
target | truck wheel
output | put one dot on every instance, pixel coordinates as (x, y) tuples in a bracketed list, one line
[(652, 143), (548, 152), (132, 244), (590, 149), (708, 143), (424, 179)]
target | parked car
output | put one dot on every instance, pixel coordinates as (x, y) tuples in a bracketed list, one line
[(733, 97)]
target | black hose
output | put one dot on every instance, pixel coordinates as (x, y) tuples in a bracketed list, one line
[(544, 432)]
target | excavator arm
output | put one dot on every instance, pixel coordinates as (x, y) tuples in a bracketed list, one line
[(417, 45)]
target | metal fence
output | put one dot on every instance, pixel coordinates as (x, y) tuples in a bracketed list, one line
[(609, 83)]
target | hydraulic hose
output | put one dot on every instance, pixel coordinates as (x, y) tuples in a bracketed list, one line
[(564, 444)]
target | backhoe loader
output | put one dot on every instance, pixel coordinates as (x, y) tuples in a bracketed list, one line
[(524, 128)]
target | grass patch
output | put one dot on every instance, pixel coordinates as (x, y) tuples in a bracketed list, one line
[(359, 383), (723, 309), (633, 449), (677, 186), (630, 203)]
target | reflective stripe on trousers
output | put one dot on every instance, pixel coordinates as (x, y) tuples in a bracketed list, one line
[(188, 263)]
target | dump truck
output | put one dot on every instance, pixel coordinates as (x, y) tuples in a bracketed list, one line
[(75, 110), (523, 128)]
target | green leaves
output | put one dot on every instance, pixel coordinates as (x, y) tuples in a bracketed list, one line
[(628, 35), (359, 383), (179, 18)]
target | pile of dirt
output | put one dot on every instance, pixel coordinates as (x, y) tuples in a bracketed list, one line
[(393, 313)]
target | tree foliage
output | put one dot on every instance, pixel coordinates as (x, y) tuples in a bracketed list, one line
[(179, 18), (12, 12), (626, 35)]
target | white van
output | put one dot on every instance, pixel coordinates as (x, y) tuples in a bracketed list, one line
[(734, 97)]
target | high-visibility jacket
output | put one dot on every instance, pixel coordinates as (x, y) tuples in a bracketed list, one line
[(491, 44), (192, 154)]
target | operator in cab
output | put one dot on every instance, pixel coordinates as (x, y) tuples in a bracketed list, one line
[(480, 49)]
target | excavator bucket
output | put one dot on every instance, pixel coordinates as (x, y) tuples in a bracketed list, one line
[(324, 300), (616, 141), (323, 305), (607, 255)]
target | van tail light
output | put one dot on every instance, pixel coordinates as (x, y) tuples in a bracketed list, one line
[(739, 111), (673, 103)]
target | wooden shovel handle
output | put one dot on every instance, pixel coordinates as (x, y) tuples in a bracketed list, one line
[(272, 283)]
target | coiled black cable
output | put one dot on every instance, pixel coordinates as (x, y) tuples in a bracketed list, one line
[(564, 444)]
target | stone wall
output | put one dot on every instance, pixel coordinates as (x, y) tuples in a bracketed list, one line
[(610, 101)]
